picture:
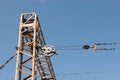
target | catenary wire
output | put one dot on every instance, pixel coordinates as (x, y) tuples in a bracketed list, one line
[(2, 66), (73, 47), (81, 47), (87, 73)]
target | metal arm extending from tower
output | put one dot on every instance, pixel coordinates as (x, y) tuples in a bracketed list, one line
[(33, 55)]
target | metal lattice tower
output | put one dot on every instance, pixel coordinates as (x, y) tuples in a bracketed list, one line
[(33, 55)]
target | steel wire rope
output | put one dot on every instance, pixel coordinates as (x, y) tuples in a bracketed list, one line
[(71, 47), (2, 66), (81, 47), (87, 73)]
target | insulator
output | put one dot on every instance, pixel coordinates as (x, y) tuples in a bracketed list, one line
[(94, 47), (86, 47), (1, 66)]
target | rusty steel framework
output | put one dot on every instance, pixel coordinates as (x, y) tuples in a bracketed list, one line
[(33, 55)]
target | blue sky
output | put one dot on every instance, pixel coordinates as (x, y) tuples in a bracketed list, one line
[(64, 23)]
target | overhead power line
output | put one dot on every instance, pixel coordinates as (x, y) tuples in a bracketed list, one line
[(95, 46), (78, 47), (104, 72), (2, 66)]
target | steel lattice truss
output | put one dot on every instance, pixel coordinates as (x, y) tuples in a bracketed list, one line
[(33, 61)]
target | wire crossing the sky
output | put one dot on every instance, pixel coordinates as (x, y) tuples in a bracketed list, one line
[(7, 61), (103, 72), (108, 47), (88, 73), (96, 46)]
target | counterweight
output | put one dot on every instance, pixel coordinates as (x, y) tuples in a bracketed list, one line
[(33, 61)]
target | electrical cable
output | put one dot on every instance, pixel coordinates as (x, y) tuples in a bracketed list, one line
[(87, 73), (107, 43), (86, 47), (76, 47), (69, 47), (2, 66)]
